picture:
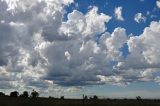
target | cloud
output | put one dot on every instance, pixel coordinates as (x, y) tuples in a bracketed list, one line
[(149, 44), (26, 32), (118, 13), (114, 80), (87, 25), (143, 50), (40, 51), (139, 18), (158, 3), (36, 49), (71, 59)]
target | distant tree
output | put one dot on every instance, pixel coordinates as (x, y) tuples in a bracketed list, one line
[(34, 94), (95, 97), (125, 99), (62, 97), (49, 97), (14, 94), (108, 99), (85, 97), (25, 94), (2, 94), (138, 98)]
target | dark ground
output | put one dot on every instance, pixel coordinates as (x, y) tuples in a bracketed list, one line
[(9, 101)]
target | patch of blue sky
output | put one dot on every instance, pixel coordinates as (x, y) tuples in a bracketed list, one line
[(124, 50), (143, 89), (129, 9)]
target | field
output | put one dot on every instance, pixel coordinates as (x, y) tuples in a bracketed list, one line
[(9, 101)]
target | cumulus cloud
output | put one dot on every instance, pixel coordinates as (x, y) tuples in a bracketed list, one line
[(88, 24), (147, 44), (25, 32), (118, 13), (139, 18), (39, 50), (144, 51)]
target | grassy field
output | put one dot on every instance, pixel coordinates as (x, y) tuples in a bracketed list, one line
[(9, 101)]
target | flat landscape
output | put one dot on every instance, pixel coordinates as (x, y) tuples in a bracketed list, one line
[(11, 101)]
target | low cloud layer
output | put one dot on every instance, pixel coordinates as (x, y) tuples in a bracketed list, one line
[(39, 50)]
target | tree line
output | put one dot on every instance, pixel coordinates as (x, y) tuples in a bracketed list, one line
[(35, 94), (25, 94)]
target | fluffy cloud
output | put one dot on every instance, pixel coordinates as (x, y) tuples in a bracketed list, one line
[(158, 3), (139, 18), (89, 24), (25, 32), (118, 13), (144, 50), (39, 50), (146, 46), (115, 42)]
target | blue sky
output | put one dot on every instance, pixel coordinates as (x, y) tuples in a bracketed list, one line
[(130, 8), (108, 48)]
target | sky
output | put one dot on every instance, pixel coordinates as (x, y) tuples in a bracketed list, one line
[(108, 48)]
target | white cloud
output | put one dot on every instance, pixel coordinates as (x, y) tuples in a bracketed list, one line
[(37, 48), (158, 3), (87, 25), (23, 5), (115, 42), (26, 25), (95, 22), (115, 80), (118, 13), (144, 53), (68, 55), (157, 79), (139, 18), (148, 13)]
